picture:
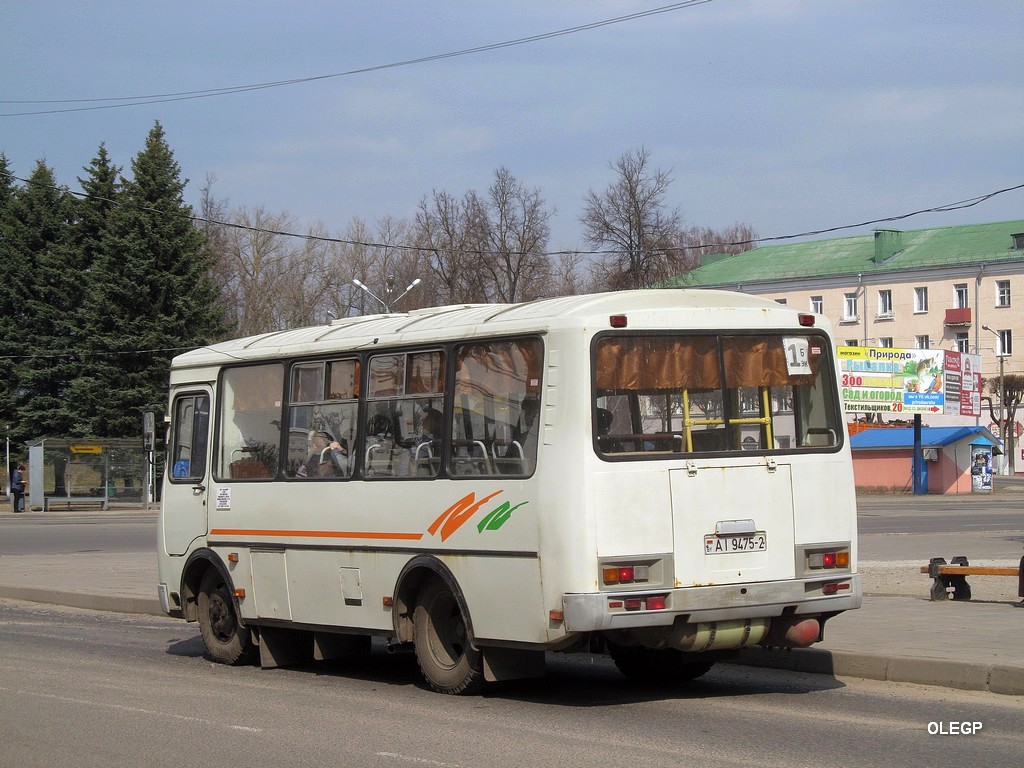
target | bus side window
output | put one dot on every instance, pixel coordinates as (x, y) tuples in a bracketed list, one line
[(250, 422), (190, 431), (403, 435), (322, 415), (496, 427)]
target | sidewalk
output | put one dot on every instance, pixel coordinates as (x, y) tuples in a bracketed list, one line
[(969, 645)]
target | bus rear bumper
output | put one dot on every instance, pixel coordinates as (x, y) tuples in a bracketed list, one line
[(606, 611)]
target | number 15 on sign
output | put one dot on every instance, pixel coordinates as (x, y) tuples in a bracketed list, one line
[(797, 355)]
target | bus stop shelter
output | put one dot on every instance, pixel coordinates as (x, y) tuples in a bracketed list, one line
[(66, 473)]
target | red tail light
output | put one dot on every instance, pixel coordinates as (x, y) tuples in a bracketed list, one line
[(834, 586)]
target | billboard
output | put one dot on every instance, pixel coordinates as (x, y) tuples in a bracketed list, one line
[(930, 381)]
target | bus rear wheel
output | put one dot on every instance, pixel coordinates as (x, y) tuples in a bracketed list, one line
[(227, 641), (446, 657), (666, 665)]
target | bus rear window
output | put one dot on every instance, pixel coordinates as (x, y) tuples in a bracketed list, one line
[(661, 395)]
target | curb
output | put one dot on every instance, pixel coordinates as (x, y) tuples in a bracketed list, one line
[(964, 675), (112, 603)]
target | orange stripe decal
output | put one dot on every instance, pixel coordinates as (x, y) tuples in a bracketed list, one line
[(388, 535)]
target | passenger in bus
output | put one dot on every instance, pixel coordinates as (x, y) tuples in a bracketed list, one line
[(424, 445), (328, 457), (604, 425), (380, 444)]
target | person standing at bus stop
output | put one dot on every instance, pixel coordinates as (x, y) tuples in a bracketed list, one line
[(18, 489)]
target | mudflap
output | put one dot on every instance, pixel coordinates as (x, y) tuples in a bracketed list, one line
[(512, 664)]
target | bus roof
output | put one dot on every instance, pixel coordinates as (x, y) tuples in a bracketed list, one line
[(648, 308)]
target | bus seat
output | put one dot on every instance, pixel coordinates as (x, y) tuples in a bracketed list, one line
[(248, 469)]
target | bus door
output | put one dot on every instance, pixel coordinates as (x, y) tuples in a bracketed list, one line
[(187, 484)]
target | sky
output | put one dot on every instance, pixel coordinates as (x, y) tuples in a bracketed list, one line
[(787, 115)]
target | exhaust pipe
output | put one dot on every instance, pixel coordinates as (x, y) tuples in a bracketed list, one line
[(793, 633)]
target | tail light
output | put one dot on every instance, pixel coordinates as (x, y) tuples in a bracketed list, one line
[(832, 587), (642, 603), (828, 558), (625, 574)]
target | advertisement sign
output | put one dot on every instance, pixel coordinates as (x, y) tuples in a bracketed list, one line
[(930, 381), (962, 384), (981, 469)]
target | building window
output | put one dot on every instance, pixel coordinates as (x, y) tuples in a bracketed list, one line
[(963, 343), (885, 304), (849, 306), (783, 302), (817, 305), (960, 296), (885, 342), (1002, 293), (921, 299), (922, 342), (852, 343), (1005, 348)]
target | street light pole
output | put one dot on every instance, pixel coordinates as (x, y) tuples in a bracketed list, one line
[(389, 288), (1003, 421)]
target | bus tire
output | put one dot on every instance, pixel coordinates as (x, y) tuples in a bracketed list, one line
[(226, 639), (666, 665), (444, 652)]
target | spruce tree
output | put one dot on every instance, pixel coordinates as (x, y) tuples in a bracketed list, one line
[(148, 295), (10, 344), (39, 213), (101, 190)]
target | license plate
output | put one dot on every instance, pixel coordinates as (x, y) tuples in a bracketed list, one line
[(722, 545)]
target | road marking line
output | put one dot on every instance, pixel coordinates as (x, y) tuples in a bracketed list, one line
[(420, 760), (137, 710)]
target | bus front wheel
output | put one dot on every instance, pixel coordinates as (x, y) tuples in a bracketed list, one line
[(667, 665), (446, 657), (227, 641)]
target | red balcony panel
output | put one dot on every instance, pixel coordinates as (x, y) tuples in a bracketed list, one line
[(960, 316)]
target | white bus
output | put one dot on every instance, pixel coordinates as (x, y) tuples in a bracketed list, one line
[(663, 476)]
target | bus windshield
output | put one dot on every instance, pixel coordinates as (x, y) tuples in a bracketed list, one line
[(660, 395)]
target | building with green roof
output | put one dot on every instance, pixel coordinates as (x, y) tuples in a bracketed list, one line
[(956, 287)]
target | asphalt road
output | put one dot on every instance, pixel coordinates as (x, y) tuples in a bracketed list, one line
[(97, 689), (36, 534)]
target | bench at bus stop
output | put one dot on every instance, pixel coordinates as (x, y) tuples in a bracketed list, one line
[(52, 502), (950, 579)]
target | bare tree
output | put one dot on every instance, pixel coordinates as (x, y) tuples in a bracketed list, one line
[(631, 218), (1013, 392), (214, 211), (566, 275), (487, 248), (254, 267), (698, 242), (517, 232), (448, 232)]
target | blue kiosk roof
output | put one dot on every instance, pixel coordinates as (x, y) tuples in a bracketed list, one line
[(931, 437)]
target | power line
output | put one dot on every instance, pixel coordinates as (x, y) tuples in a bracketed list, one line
[(160, 98), (948, 207)]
